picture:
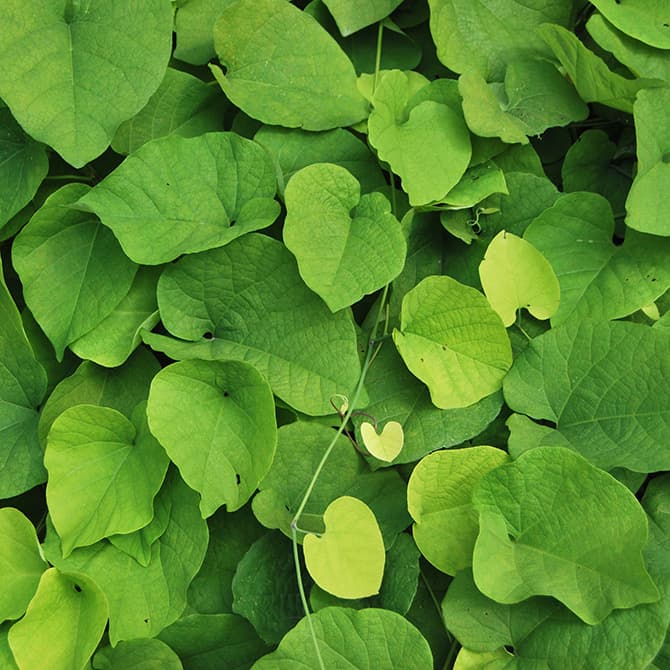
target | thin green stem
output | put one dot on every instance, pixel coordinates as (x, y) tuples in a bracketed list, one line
[(448, 661), (378, 55), (436, 603), (69, 177)]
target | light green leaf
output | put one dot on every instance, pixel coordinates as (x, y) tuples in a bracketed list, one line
[(249, 298), (183, 105), (23, 384), (145, 654), (522, 549), (598, 279), (351, 16), (646, 208), (645, 20), (63, 625), (217, 423), (515, 275), (483, 36), (21, 563), (346, 245), (500, 659), (251, 36), (112, 341), (439, 496), (265, 588), (385, 446), (525, 434), (413, 134), (180, 195), (478, 183), (369, 638), (104, 472), (6, 656), (144, 600), (453, 341), (73, 270), (347, 560), (23, 166), (594, 81), (194, 26), (98, 64)]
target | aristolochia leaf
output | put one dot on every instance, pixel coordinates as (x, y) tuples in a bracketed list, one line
[(523, 549), (453, 341), (143, 654), (97, 64), (104, 472), (385, 446), (645, 20), (217, 423), (346, 245), (351, 16)]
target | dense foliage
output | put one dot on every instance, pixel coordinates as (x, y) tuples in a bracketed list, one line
[(334, 334)]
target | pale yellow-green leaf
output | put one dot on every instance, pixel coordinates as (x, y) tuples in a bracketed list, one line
[(386, 446)]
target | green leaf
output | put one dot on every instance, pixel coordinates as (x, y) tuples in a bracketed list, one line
[(515, 275), (623, 422), (194, 25), (6, 656), (387, 445), (144, 600), (183, 105), (647, 211), (249, 298), (217, 423), (23, 166), (645, 20), (478, 183), (351, 16), (251, 35), (63, 625), (97, 65), (347, 560), (401, 575), (453, 341), (23, 383), (369, 638), (104, 472), (112, 341), (65, 259), (522, 549), (180, 195), (265, 588), (414, 133), (439, 496), (346, 245), (594, 81), (21, 563), (480, 36), (142, 654)]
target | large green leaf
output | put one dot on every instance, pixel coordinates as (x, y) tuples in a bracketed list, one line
[(143, 600), (21, 564), (605, 385), (598, 279), (181, 195), (74, 272), (351, 16), (246, 301), (439, 495), (63, 625), (484, 36), (346, 245), (369, 638), (645, 20), (97, 64), (413, 134), (145, 654), (251, 36), (23, 383), (453, 341), (104, 472), (523, 549), (217, 423), (194, 26)]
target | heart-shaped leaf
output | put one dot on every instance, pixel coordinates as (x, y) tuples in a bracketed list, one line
[(327, 225), (386, 446), (348, 559)]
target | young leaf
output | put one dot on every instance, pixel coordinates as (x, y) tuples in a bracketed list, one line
[(217, 423), (63, 625), (105, 59), (522, 549), (453, 341), (385, 446), (515, 275), (346, 245), (250, 36)]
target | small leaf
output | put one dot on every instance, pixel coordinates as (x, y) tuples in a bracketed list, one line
[(386, 446), (351, 15), (348, 559), (142, 654)]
